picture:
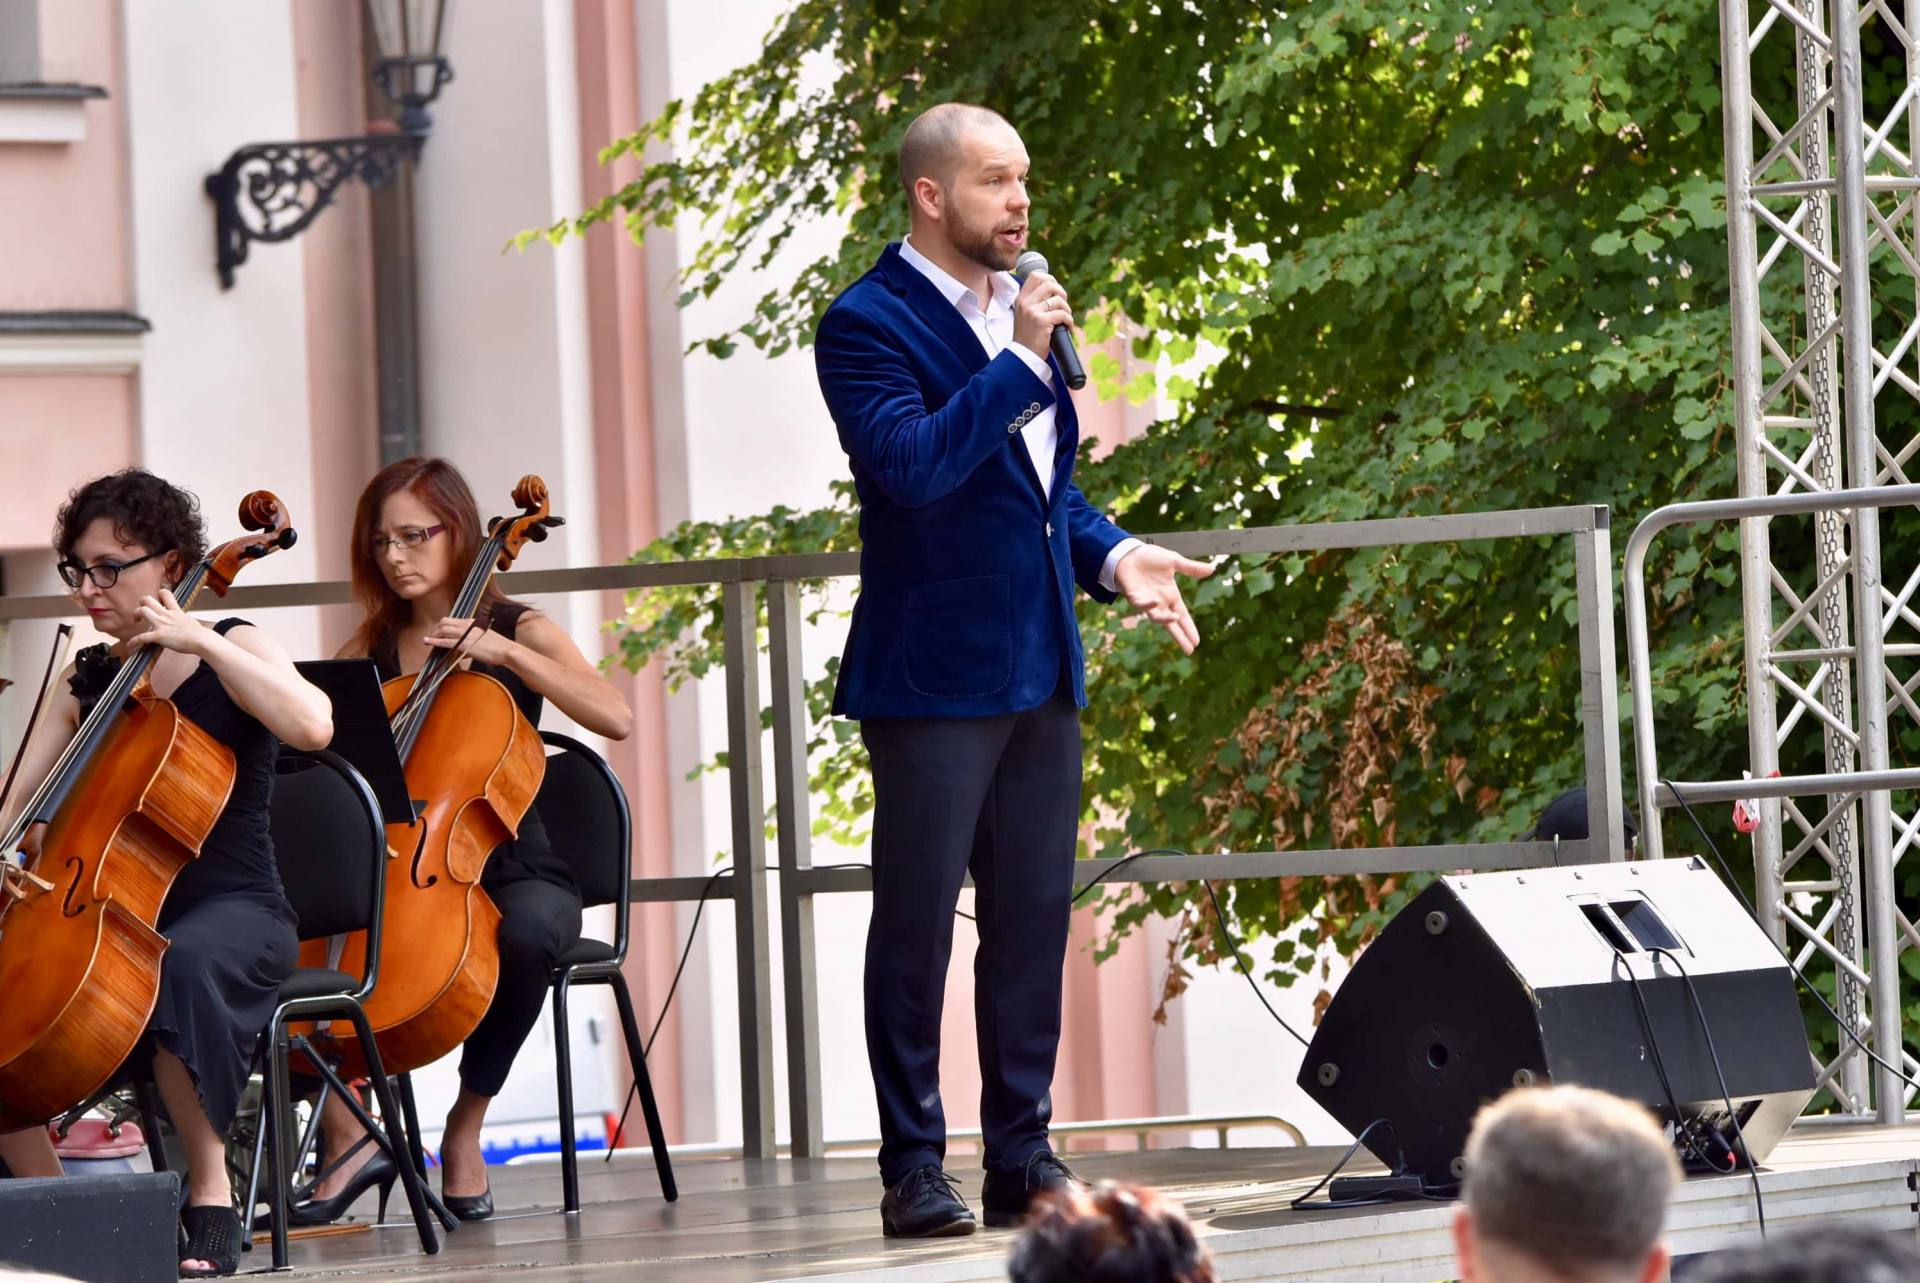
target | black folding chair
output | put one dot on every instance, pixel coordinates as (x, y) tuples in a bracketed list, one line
[(585, 812), (332, 851)]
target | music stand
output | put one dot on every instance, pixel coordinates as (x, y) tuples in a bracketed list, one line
[(361, 731)]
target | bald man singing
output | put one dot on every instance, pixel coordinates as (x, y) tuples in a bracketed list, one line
[(964, 666)]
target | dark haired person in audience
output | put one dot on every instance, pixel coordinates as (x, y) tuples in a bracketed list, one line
[(1112, 1234), (1830, 1254), (1565, 818), (1564, 1185)]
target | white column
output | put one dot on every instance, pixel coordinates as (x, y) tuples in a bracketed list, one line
[(223, 381)]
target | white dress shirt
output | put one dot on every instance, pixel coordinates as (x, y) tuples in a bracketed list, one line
[(994, 329)]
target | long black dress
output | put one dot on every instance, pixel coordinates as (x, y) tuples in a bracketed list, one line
[(230, 931), (532, 887)]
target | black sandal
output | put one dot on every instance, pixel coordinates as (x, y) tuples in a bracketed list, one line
[(210, 1234)]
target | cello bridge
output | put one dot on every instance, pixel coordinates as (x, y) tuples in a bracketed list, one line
[(17, 883)]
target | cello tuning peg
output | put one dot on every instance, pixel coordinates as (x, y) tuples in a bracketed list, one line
[(556, 521), (288, 538), (537, 533)]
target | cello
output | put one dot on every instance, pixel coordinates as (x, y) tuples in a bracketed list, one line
[(473, 764), (128, 803)]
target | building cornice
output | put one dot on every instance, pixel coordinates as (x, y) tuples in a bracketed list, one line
[(71, 342)]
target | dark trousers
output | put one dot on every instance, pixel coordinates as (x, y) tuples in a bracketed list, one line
[(998, 797), (538, 922)]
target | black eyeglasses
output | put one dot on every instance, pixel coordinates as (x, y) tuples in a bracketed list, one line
[(411, 537), (104, 575)]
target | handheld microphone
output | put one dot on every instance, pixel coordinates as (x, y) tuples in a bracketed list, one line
[(1063, 349)]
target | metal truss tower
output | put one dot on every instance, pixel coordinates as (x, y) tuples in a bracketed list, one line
[(1824, 246)]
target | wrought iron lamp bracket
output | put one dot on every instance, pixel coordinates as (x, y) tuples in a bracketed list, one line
[(274, 191)]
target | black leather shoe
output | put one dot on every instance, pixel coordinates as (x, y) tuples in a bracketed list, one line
[(378, 1170), (470, 1207), (925, 1204), (1006, 1197)]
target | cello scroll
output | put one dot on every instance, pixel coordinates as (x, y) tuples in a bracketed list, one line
[(535, 520), (261, 511)]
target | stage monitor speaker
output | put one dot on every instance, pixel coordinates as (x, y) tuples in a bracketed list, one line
[(1487, 981), (117, 1228)]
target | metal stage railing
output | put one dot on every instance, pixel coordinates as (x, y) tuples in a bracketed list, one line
[(741, 582)]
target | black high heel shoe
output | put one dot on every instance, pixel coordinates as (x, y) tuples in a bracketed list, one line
[(470, 1207), (379, 1170)]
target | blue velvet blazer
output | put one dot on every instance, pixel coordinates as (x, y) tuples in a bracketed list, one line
[(967, 568)]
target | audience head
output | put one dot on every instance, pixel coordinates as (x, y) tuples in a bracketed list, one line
[(1830, 1254), (1565, 817), (1111, 1234), (1564, 1185)]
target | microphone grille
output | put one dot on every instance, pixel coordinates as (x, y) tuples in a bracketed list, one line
[(1030, 262)]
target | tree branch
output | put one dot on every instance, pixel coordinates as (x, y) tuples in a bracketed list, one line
[(1289, 407)]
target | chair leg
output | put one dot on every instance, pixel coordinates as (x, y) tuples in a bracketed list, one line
[(258, 1159), (563, 1082), (380, 1132), (150, 1124), (649, 1108), (417, 1152), (261, 1127), (276, 1095), (309, 1138), (396, 1135), (410, 1110)]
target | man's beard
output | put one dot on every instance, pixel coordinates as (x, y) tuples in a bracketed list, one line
[(979, 243)]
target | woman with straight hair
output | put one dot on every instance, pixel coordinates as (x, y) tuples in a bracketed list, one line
[(416, 531)]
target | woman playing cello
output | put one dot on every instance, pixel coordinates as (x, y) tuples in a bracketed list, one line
[(124, 542), (416, 530)]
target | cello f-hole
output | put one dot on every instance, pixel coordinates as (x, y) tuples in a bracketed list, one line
[(67, 907), (419, 849)]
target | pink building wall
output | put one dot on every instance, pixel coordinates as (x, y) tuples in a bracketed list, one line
[(65, 216), (69, 201), (60, 430)]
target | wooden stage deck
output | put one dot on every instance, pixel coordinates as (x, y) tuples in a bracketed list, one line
[(785, 1219)]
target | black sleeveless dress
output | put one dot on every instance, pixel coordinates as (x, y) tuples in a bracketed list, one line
[(534, 890), (230, 931)]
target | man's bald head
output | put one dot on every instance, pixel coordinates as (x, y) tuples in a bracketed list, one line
[(932, 146)]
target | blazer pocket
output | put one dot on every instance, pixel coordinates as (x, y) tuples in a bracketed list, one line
[(959, 638)]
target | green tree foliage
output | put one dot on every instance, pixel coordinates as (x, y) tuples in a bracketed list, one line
[(1392, 259)]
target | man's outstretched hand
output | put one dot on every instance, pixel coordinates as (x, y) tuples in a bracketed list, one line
[(1148, 577)]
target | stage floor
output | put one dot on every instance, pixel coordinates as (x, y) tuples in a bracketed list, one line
[(817, 1219)]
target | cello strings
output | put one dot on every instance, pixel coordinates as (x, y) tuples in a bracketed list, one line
[(423, 691), (405, 716), (411, 715)]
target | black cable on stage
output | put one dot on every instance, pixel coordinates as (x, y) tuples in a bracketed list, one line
[(1700, 1014), (1726, 872), (1239, 962), (693, 929), (1120, 864), (1659, 1063), (1302, 1205)]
